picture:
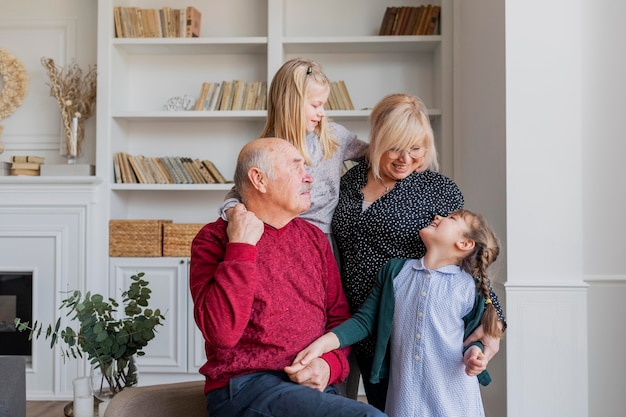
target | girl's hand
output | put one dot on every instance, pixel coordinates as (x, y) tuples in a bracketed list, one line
[(475, 361), (316, 349)]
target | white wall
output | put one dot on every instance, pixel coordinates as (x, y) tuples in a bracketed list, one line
[(604, 199), (62, 30), (479, 144)]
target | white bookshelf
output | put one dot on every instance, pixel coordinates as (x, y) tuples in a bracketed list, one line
[(247, 40)]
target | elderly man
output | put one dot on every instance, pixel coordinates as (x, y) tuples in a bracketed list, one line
[(264, 286)]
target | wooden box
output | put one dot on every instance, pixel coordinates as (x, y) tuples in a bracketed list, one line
[(136, 238), (177, 238)]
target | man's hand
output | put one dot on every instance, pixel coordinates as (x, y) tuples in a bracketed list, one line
[(315, 375), (492, 344), (244, 226)]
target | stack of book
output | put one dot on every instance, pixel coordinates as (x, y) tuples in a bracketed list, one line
[(134, 22), (137, 169), (26, 165), (233, 95), (406, 20)]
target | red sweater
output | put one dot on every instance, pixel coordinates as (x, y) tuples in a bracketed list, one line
[(258, 306)]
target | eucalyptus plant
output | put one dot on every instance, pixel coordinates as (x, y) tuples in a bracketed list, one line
[(109, 342)]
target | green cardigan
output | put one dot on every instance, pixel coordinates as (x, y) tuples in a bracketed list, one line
[(377, 313)]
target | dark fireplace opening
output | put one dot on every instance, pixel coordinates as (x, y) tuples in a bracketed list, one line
[(16, 300)]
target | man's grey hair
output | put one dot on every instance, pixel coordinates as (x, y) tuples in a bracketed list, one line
[(259, 157)]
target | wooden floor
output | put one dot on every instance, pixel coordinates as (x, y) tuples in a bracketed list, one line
[(45, 408)]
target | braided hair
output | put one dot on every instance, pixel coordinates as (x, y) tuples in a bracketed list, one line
[(485, 252)]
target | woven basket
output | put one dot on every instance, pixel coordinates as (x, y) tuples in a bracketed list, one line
[(136, 238), (177, 238)]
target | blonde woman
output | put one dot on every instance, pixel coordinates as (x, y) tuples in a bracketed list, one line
[(383, 202)]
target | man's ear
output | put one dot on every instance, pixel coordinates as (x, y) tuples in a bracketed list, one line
[(257, 179), (465, 244)]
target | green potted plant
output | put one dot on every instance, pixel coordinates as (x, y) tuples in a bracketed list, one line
[(109, 342)]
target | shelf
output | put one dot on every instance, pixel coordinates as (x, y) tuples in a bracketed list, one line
[(39, 180), (361, 44), (171, 187), (243, 115), (186, 46)]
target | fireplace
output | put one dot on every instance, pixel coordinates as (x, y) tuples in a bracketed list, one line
[(16, 300)]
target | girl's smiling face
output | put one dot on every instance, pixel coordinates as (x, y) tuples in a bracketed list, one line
[(317, 95), (447, 230)]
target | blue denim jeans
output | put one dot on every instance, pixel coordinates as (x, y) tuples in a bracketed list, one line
[(272, 394)]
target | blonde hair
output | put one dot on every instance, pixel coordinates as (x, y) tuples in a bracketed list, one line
[(286, 100), (485, 252), (400, 121)]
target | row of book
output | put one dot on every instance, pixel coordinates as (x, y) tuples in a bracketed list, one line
[(25, 165), (339, 97), (407, 20), (232, 95), (138, 169), (135, 22)]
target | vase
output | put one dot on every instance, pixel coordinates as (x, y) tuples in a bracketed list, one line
[(110, 377), (71, 142)]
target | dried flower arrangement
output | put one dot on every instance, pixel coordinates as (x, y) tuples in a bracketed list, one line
[(76, 97), (15, 80)]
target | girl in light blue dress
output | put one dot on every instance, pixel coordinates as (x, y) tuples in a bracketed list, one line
[(420, 311)]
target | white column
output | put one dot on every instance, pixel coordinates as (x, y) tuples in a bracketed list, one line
[(546, 295)]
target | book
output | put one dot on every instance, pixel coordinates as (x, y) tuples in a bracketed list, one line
[(27, 158), (400, 26), (214, 96), (346, 95), (389, 20), (26, 165), (202, 97), (226, 95), (423, 23), (137, 169), (393, 23), (208, 178), (117, 169), (196, 177), (169, 166), (128, 175), (29, 172), (385, 22), (420, 14), (193, 26), (117, 19), (261, 101), (237, 93), (177, 161), (433, 22), (163, 168), (65, 170), (215, 173), (411, 20)]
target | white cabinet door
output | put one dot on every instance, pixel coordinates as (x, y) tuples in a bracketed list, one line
[(167, 353)]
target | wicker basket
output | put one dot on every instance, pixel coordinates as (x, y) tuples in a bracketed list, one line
[(177, 238), (136, 238)]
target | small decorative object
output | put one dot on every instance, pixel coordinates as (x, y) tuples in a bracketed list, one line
[(15, 85), (179, 103), (76, 97), (110, 343), (83, 397)]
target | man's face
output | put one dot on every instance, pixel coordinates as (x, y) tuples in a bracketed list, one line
[(291, 189)]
